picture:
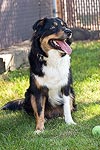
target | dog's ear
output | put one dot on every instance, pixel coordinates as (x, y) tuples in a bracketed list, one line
[(39, 23)]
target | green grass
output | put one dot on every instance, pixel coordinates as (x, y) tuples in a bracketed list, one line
[(17, 129)]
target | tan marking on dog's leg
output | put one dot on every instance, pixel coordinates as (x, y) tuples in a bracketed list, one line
[(39, 118)]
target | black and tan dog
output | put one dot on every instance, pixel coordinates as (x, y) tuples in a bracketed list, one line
[(50, 93)]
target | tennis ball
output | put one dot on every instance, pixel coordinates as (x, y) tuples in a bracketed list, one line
[(96, 130)]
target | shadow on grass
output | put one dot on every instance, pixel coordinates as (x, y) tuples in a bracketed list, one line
[(15, 123), (12, 120)]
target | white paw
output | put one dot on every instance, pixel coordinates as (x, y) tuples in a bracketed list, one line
[(70, 122), (38, 131)]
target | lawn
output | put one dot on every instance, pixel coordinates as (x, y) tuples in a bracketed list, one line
[(17, 129)]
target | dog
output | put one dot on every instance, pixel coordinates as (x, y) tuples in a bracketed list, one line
[(50, 93)]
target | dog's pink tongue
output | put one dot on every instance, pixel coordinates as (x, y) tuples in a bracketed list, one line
[(65, 47)]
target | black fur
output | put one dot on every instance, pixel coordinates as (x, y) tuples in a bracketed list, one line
[(14, 105)]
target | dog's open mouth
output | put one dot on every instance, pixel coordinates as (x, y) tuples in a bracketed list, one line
[(61, 45)]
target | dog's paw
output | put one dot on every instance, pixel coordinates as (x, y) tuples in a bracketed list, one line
[(70, 122), (38, 131)]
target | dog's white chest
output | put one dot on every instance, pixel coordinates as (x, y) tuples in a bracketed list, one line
[(55, 76)]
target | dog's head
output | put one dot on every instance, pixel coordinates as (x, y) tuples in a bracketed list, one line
[(53, 33)]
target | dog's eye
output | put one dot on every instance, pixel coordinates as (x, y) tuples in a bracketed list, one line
[(54, 25)]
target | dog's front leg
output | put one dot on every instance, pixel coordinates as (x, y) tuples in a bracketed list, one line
[(67, 106), (39, 112), (67, 110)]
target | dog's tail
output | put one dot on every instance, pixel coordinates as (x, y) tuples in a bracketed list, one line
[(14, 105)]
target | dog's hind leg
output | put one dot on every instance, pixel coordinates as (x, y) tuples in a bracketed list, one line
[(72, 100), (39, 112), (72, 93)]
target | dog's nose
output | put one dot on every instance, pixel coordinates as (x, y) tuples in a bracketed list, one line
[(68, 32)]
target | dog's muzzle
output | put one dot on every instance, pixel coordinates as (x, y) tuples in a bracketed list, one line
[(68, 33)]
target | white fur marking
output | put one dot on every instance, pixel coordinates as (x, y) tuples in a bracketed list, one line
[(38, 131), (55, 75), (67, 110)]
